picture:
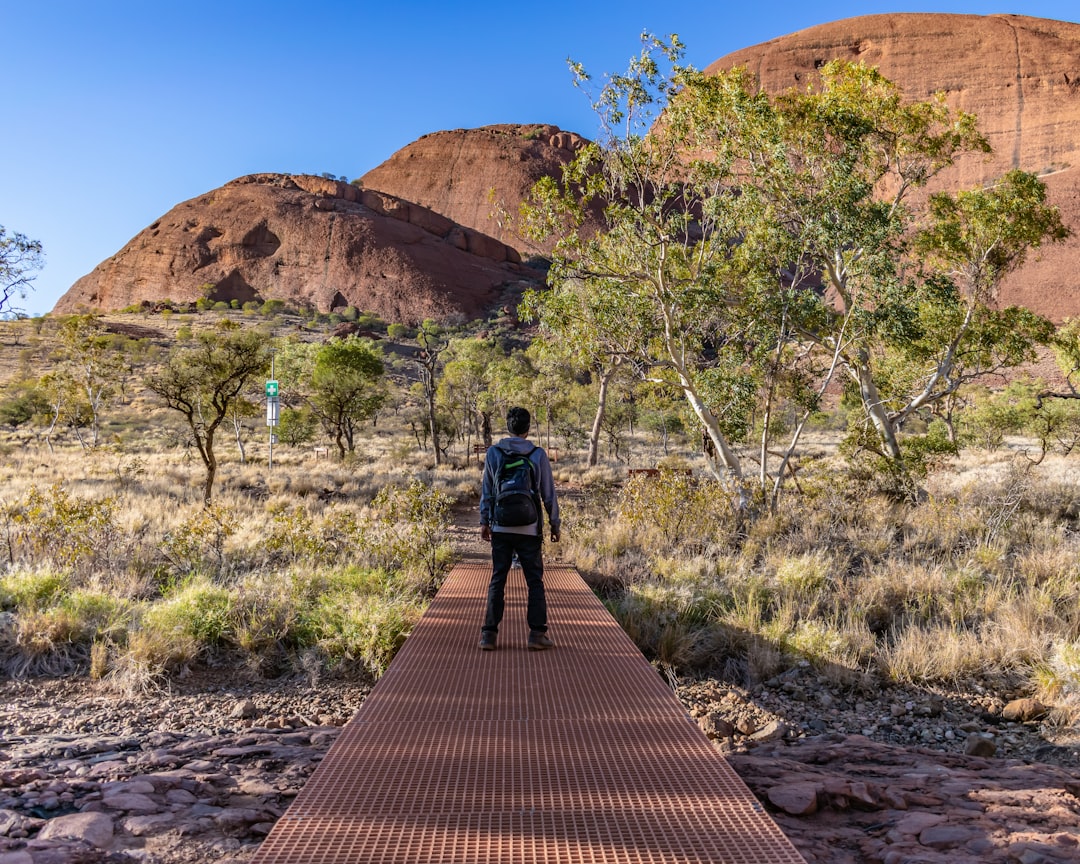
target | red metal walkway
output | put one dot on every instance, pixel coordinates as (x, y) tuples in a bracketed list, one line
[(575, 755)]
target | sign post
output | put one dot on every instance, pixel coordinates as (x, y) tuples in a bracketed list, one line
[(272, 409)]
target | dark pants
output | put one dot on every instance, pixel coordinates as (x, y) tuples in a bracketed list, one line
[(529, 552)]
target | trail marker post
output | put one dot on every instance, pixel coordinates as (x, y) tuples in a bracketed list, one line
[(273, 409)]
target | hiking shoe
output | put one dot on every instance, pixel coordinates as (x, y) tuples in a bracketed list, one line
[(487, 640), (539, 641)]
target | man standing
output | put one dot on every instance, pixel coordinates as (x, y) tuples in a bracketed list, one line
[(517, 478)]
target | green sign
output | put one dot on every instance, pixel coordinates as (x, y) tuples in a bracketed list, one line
[(271, 390)]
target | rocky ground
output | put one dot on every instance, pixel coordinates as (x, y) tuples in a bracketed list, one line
[(851, 774)]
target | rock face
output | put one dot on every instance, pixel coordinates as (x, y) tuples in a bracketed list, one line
[(308, 241), (463, 174), (1020, 76)]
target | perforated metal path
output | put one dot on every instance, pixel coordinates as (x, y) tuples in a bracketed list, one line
[(576, 755)]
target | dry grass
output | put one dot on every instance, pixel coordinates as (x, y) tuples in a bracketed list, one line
[(980, 582), (242, 577)]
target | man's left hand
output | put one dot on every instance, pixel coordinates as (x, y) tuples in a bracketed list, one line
[(485, 533)]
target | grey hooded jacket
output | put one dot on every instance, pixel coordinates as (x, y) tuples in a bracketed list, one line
[(539, 458)]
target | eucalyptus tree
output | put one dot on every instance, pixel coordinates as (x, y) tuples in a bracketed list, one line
[(94, 365), (653, 287), (202, 380), (754, 244), (432, 341), (583, 327), (894, 287), (346, 388), (465, 385)]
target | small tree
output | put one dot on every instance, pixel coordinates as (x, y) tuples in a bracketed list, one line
[(346, 388), (466, 383), (202, 381), (20, 258), (94, 364), (432, 341)]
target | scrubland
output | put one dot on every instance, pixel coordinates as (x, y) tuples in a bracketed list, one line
[(114, 568)]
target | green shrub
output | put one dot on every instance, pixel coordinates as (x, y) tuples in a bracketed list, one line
[(992, 416), (30, 590), (196, 609), (199, 541), (23, 407), (102, 614), (81, 534), (410, 531), (363, 629), (675, 510)]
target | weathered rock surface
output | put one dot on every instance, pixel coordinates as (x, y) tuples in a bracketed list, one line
[(203, 772), (1019, 75), (309, 241), (848, 800), (90, 777), (463, 174)]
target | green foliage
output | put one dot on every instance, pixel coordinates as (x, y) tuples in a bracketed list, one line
[(20, 257), (346, 388), (201, 382), (196, 610), (907, 314), (33, 589), (411, 531), (675, 510), (72, 533), (101, 614), (23, 407), (197, 544), (296, 426), (924, 453), (365, 629), (293, 536), (993, 415)]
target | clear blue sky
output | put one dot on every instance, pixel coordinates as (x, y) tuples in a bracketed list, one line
[(116, 111)]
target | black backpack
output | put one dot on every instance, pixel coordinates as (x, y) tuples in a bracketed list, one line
[(516, 500)]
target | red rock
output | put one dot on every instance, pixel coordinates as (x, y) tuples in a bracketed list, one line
[(1024, 711), (95, 829), (462, 174), (945, 836), (958, 808), (131, 802), (979, 745), (798, 799), (307, 241), (716, 726)]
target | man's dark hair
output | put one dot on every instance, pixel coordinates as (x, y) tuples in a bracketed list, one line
[(517, 421)]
